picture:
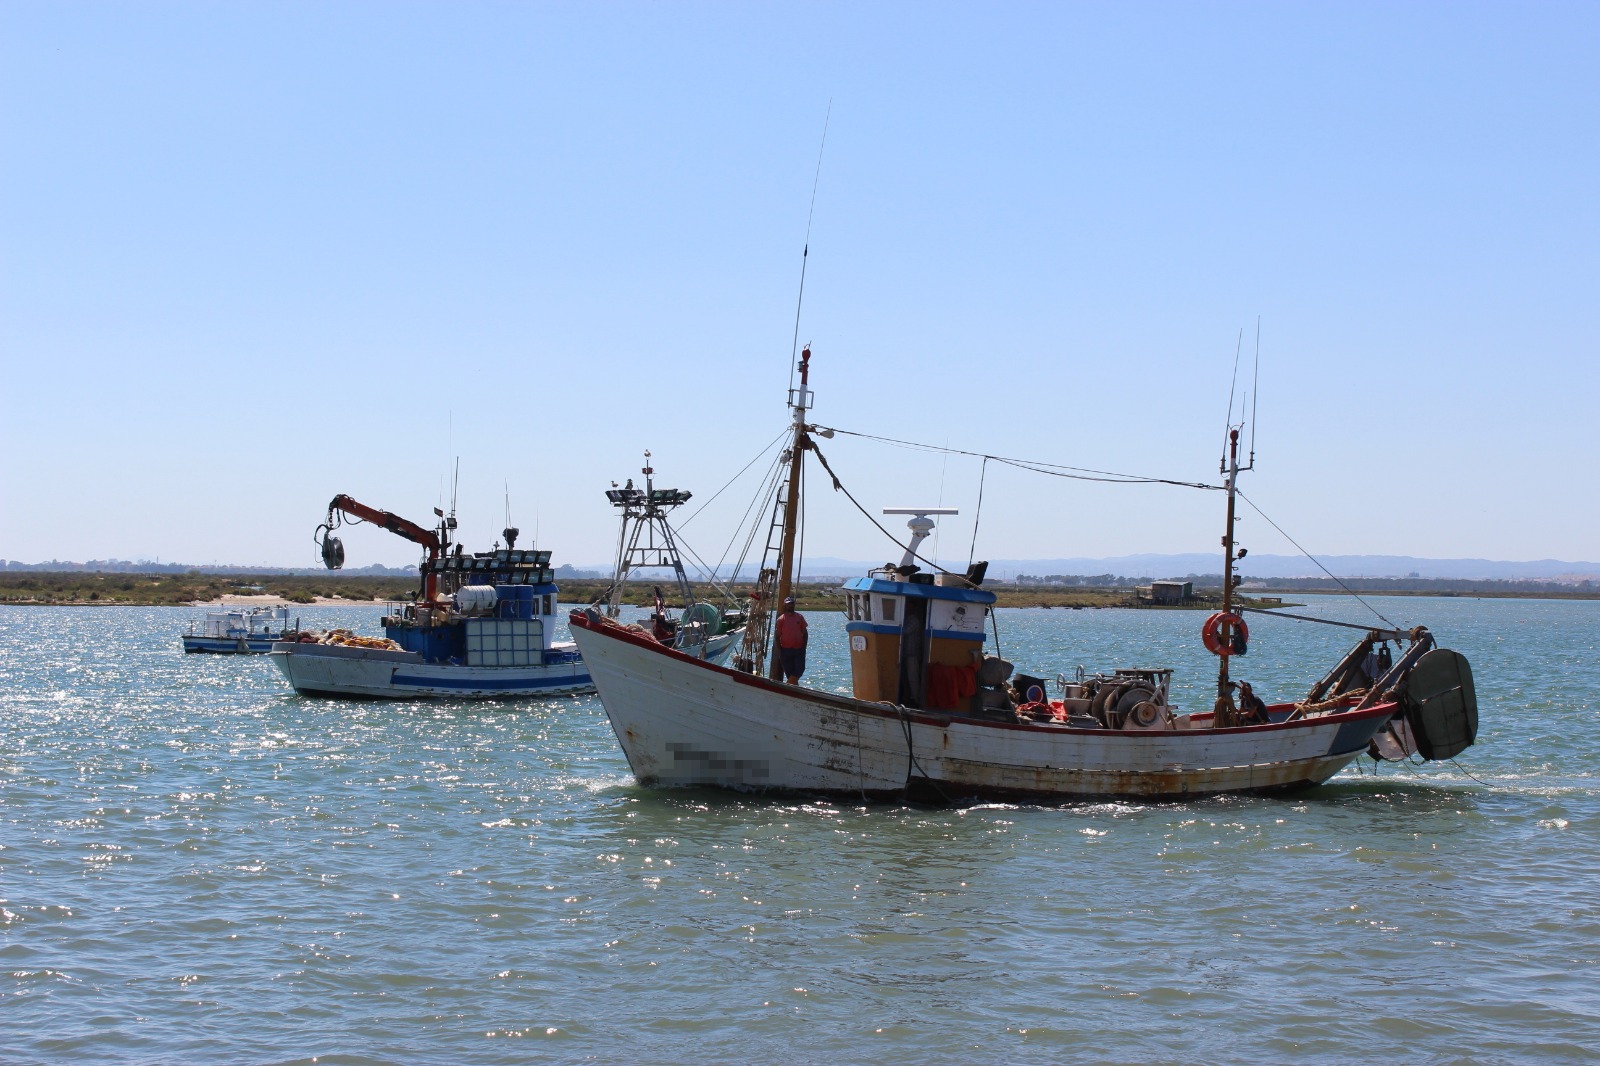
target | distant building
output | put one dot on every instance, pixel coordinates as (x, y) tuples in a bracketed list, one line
[(1167, 593)]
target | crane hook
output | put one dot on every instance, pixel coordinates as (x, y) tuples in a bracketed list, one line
[(332, 547)]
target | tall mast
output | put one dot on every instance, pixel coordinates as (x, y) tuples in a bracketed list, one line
[(1231, 469), (799, 401)]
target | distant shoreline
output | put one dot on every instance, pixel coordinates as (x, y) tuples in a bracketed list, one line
[(77, 589)]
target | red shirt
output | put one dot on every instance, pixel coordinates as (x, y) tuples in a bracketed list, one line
[(791, 630)]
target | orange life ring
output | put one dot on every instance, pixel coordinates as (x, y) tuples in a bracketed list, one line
[(1218, 632)]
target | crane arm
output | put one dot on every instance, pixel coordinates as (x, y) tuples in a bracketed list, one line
[(400, 527)]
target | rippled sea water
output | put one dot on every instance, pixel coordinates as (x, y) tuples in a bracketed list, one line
[(197, 865)]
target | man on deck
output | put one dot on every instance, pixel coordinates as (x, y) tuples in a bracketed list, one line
[(792, 638), (1252, 708)]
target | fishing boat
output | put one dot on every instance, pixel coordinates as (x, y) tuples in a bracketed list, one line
[(932, 716), (481, 625), (646, 541), (245, 631)]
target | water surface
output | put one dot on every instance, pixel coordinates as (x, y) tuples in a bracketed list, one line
[(198, 865)]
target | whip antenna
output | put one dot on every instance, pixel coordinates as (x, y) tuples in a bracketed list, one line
[(805, 254), (1255, 392), (1232, 385)]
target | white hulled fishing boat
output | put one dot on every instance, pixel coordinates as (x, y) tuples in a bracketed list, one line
[(931, 714), (482, 626), (241, 631)]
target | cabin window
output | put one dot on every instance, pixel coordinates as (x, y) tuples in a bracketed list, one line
[(549, 608), (888, 609), (866, 607), (850, 606)]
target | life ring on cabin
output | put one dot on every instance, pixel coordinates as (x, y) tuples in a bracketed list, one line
[(1225, 633)]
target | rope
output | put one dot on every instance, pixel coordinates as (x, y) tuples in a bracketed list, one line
[(1314, 559), (982, 473), (912, 761), (1464, 770), (1077, 473), (839, 487), (734, 478)]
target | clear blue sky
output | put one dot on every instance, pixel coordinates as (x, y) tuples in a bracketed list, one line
[(256, 254)]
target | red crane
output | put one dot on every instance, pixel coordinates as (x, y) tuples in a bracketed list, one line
[(333, 548)]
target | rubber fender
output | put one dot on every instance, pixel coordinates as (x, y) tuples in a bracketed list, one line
[(1441, 704)]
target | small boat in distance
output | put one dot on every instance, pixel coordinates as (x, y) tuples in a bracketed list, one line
[(648, 541), (481, 626), (931, 715), (243, 631)]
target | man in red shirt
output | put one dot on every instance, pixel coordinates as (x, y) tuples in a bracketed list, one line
[(792, 637)]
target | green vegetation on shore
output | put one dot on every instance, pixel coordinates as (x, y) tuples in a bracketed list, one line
[(81, 588), (77, 587), (87, 588)]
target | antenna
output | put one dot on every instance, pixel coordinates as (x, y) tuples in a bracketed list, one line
[(805, 254), (1233, 384), (510, 532), (1255, 392)]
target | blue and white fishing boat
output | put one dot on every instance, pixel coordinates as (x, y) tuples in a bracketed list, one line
[(244, 631), (482, 626)]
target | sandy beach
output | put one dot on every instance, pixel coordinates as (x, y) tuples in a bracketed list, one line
[(279, 601)]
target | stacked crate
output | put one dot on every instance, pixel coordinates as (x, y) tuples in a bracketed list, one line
[(505, 642)]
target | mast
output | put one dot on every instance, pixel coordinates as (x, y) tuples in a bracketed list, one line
[(655, 510), (644, 517), (1225, 707), (799, 401)]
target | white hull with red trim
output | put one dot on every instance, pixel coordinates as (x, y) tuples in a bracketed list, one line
[(683, 722)]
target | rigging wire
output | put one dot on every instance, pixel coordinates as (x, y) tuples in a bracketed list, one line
[(839, 486), (800, 544), (977, 514), (1077, 473), (764, 491), (734, 478), (1314, 559), (709, 575)]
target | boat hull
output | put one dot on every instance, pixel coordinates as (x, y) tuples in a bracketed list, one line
[(336, 670), (687, 723), (717, 648), (231, 645)]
